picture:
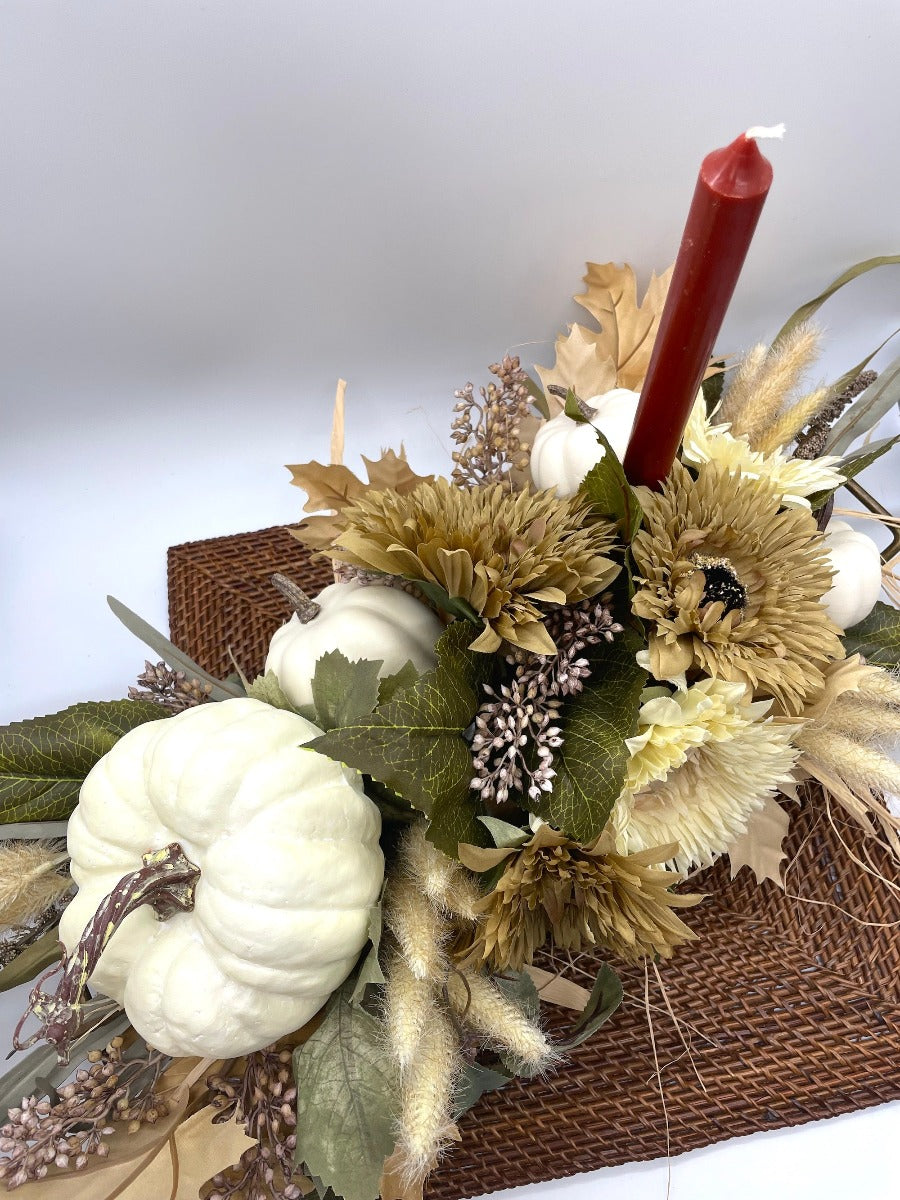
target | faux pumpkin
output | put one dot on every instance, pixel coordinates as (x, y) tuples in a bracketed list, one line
[(856, 562), (362, 621), (287, 847), (565, 450)]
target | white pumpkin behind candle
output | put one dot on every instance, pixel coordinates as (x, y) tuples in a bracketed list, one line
[(565, 450), (856, 562)]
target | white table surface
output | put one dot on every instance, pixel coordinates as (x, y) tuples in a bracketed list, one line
[(210, 211)]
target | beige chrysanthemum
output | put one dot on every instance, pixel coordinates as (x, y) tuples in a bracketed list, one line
[(733, 586), (793, 478), (502, 553), (702, 761), (580, 896)]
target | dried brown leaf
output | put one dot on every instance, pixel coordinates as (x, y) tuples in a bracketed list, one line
[(628, 328), (760, 846)]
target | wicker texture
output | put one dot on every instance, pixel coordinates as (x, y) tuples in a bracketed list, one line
[(790, 1008)]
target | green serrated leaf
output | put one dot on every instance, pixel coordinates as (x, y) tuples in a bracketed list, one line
[(610, 494), (169, 652), (414, 744), (877, 638), (34, 958), (805, 311), (475, 1082), (398, 682), (606, 996), (347, 1089), (43, 761), (503, 834), (573, 409), (344, 691), (370, 972), (866, 410), (267, 689), (590, 766), (455, 606)]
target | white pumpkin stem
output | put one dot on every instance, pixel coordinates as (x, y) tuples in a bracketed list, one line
[(582, 405), (166, 881), (304, 606)]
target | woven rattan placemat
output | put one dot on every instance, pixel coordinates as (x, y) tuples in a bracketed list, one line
[(791, 1009)]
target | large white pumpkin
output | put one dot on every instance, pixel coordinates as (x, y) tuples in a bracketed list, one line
[(565, 450), (856, 562), (362, 621), (287, 846)]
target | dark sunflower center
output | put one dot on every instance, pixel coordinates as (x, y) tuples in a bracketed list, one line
[(722, 584)]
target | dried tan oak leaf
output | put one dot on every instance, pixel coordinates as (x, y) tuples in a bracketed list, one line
[(592, 362), (333, 487), (760, 846)]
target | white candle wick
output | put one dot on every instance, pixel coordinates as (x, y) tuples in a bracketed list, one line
[(765, 131)]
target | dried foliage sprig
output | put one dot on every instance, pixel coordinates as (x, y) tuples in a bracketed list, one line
[(32, 878), (112, 1090), (489, 430), (263, 1099), (811, 443), (515, 729), (170, 689)]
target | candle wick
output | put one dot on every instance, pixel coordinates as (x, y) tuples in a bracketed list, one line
[(766, 131)]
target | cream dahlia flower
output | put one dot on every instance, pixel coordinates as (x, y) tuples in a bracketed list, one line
[(703, 760), (794, 478)]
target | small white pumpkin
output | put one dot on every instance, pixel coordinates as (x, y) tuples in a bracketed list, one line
[(565, 450), (856, 562), (287, 846), (360, 620)]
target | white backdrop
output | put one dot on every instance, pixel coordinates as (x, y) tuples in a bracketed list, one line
[(210, 210)]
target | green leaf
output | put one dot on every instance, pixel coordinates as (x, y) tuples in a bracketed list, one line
[(866, 410), (475, 1082), (518, 986), (853, 465), (347, 1090), (28, 831), (456, 606), (267, 689), (573, 409), (414, 744), (370, 972), (34, 958), (398, 682), (169, 653), (343, 691), (43, 761), (877, 637), (606, 996), (805, 311), (503, 834), (610, 494), (590, 766), (836, 388), (538, 399)]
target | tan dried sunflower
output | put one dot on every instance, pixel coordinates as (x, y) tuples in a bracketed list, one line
[(733, 586), (580, 897), (504, 554)]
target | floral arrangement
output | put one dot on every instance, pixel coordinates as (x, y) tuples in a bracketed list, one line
[(318, 911)]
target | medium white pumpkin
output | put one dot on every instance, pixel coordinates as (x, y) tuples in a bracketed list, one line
[(565, 450), (360, 620), (287, 846), (856, 562)]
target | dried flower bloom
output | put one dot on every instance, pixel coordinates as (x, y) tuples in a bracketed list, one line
[(794, 479), (579, 897), (515, 730), (489, 432), (170, 689), (733, 586), (702, 762), (503, 555)]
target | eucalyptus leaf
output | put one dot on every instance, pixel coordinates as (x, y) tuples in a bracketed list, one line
[(43, 761), (33, 959), (169, 653), (805, 311), (106, 1020), (28, 831), (347, 1092), (877, 637), (390, 685), (504, 834), (475, 1082), (866, 410), (606, 996), (344, 691), (853, 465), (610, 494), (414, 744), (839, 385)]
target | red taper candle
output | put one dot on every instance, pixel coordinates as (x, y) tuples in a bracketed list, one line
[(731, 189)]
